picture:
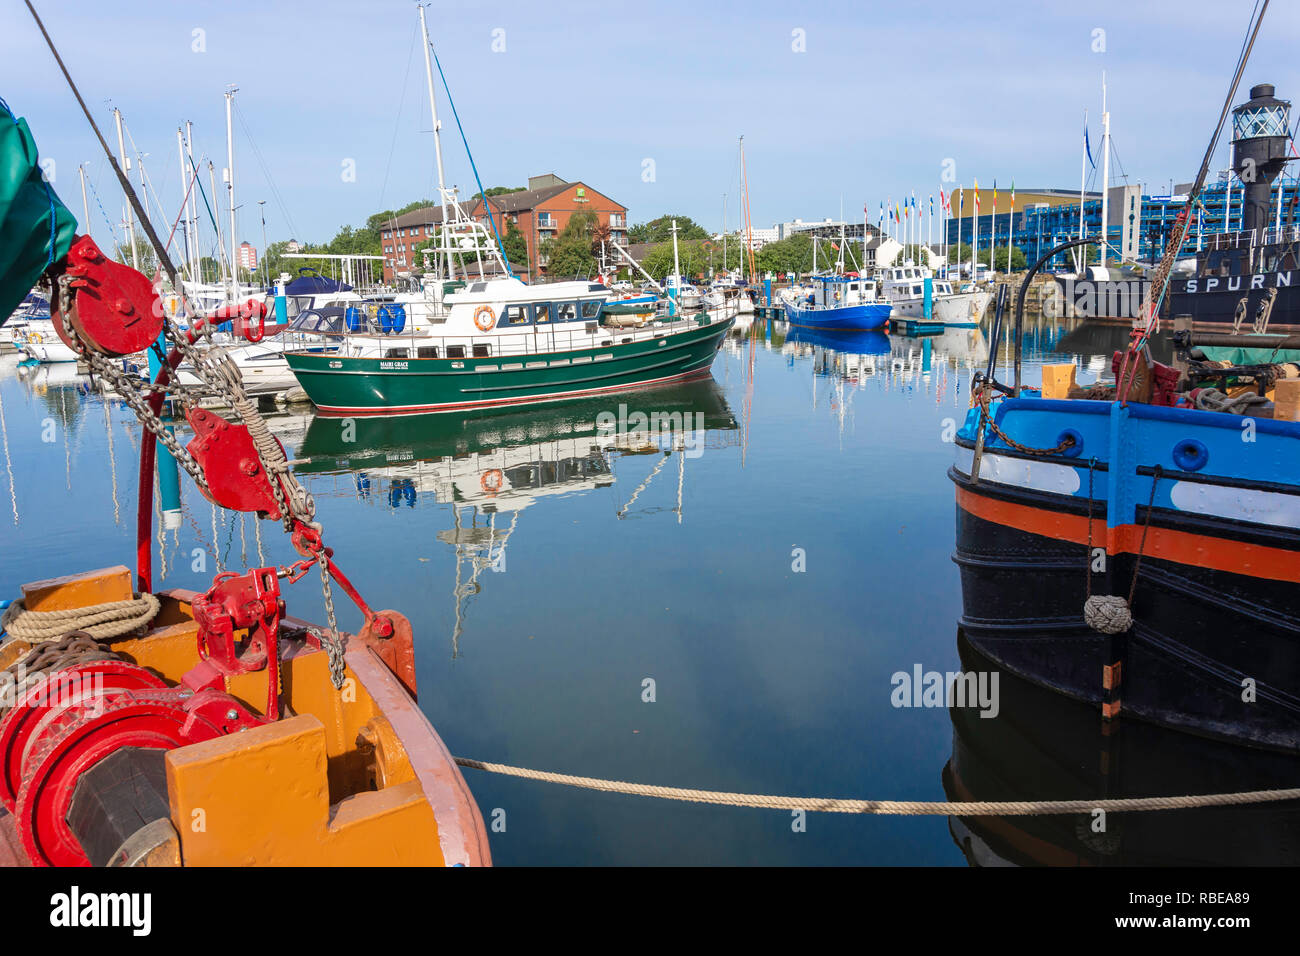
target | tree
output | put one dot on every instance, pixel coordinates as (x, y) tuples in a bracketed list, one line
[(569, 253), (916, 253), (498, 191), (515, 246), (1018, 261), (693, 256), (794, 254), (661, 229)]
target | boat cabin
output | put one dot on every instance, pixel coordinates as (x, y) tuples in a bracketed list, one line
[(836, 292)]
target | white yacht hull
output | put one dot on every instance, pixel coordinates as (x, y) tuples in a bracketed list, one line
[(960, 308)]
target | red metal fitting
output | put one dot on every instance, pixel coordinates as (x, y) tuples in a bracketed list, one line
[(114, 309)]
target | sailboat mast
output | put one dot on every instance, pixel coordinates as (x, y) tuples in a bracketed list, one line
[(437, 149), (230, 193), (185, 200), (749, 224), (1105, 171), (1083, 183), (85, 206), (130, 219), (196, 268)]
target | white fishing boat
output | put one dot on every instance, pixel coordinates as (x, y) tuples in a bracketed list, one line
[(904, 287)]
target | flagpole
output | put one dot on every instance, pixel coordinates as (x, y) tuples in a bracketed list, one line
[(1011, 213), (1083, 183)]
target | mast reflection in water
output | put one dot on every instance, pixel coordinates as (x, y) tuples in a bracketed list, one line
[(488, 468)]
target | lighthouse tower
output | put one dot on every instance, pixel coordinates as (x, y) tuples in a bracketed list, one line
[(1260, 128)]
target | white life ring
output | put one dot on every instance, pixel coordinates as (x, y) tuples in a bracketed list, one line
[(479, 313)]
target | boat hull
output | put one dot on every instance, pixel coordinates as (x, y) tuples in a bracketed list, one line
[(1215, 643), (1212, 301), (849, 318), (962, 308), (348, 385)]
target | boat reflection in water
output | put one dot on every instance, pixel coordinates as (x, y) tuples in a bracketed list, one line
[(1044, 746), (849, 355), (960, 349), (491, 466)]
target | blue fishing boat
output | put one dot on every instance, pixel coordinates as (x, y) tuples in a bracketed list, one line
[(840, 303)]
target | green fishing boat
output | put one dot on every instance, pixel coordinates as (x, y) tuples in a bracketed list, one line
[(507, 343)]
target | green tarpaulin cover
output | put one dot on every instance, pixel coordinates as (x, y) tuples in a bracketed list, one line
[(1249, 356), (35, 228)]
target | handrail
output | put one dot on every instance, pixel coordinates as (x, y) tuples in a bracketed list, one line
[(516, 344)]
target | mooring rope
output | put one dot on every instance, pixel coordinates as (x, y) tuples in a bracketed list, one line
[(976, 808), (111, 619)]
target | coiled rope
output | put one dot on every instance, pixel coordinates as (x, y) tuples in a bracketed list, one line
[(978, 808), (112, 619)]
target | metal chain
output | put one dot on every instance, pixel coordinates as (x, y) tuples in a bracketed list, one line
[(125, 385), (223, 378), (332, 642), (47, 658), (986, 419)]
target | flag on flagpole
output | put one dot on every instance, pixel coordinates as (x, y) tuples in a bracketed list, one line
[(943, 201), (995, 197), (977, 197), (1087, 147), (1013, 192)]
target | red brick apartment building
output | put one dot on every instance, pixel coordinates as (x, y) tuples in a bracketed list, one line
[(540, 212)]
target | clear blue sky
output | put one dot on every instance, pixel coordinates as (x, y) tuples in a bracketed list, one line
[(882, 94)]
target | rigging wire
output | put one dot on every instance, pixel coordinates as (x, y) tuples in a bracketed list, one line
[(261, 162), (397, 123), (486, 205)]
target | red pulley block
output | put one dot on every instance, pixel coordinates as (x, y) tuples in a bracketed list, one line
[(114, 309), (157, 719), (42, 706), (228, 457)]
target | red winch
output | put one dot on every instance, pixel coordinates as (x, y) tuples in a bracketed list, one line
[(89, 715)]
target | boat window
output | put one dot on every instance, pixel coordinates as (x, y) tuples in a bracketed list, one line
[(427, 351), (590, 309), (482, 351), (516, 315), (542, 312), (455, 351), (395, 353), (917, 290), (566, 311)]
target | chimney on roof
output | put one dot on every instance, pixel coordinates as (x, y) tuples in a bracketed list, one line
[(547, 179)]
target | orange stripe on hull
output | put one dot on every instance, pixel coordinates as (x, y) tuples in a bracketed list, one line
[(1181, 547)]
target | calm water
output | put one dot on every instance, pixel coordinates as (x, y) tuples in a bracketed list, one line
[(545, 598)]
